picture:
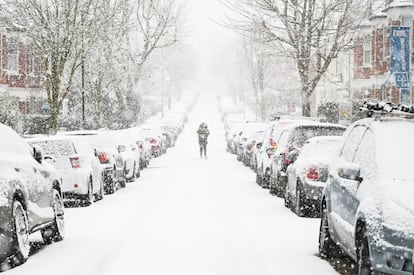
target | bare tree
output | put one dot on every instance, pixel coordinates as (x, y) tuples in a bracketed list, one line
[(160, 24), (312, 32), (62, 32)]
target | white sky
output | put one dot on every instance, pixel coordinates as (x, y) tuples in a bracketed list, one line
[(213, 43)]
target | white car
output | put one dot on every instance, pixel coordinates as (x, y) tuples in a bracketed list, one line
[(77, 165), (128, 150)]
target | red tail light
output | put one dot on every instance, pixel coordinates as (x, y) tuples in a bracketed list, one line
[(103, 157), (140, 146), (312, 173), (75, 162)]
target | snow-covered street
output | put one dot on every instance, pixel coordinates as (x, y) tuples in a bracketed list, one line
[(185, 215)]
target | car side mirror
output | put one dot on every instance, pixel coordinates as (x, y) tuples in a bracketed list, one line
[(259, 145), (350, 171), (121, 148), (37, 154)]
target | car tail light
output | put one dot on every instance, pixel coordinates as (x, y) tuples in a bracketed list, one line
[(140, 146), (312, 173), (75, 162), (103, 157)]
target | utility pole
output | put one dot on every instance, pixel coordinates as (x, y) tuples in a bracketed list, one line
[(83, 93)]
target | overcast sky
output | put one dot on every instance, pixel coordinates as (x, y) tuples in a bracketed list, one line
[(212, 42)]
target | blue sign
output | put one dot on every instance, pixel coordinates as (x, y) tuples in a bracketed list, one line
[(400, 56)]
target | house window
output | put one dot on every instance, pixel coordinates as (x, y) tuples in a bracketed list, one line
[(13, 55), (367, 51), (406, 21)]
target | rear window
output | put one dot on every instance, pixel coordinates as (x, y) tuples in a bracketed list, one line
[(56, 147), (302, 134)]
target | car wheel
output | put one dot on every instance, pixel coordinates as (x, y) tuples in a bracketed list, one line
[(286, 198), (101, 192), (20, 234), (56, 231), (258, 179), (299, 205), (133, 177), (110, 187), (272, 190), (327, 247), (363, 258), (89, 197), (138, 172)]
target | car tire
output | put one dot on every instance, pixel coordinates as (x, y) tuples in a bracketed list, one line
[(101, 192), (363, 257), (138, 172), (56, 231), (299, 205), (133, 177), (110, 187), (327, 247), (89, 197), (258, 179), (20, 237), (286, 198)]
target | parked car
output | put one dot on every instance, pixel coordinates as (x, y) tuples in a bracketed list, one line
[(30, 198), (154, 136), (105, 147), (247, 130), (252, 147), (292, 138), (266, 150), (307, 174), (129, 152), (77, 164), (367, 205)]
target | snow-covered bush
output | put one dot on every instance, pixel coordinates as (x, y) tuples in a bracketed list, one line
[(9, 110), (329, 111)]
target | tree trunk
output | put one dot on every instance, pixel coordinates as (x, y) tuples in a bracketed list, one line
[(306, 110)]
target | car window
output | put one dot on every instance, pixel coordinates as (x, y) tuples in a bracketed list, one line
[(365, 155), (56, 147), (282, 141), (352, 142)]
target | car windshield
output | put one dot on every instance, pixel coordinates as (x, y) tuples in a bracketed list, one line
[(303, 133)]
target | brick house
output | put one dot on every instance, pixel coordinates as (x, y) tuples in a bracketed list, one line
[(21, 73), (372, 52)]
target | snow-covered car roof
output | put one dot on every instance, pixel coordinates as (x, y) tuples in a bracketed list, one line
[(12, 143)]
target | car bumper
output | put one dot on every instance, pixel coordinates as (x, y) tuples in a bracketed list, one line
[(313, 190), (392, 259)]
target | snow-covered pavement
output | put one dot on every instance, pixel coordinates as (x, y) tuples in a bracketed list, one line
[(186, 216)]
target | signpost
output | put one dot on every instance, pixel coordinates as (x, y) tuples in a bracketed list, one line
[(400, 61)]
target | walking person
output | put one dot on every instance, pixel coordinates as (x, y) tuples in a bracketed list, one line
[(203, 133)]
